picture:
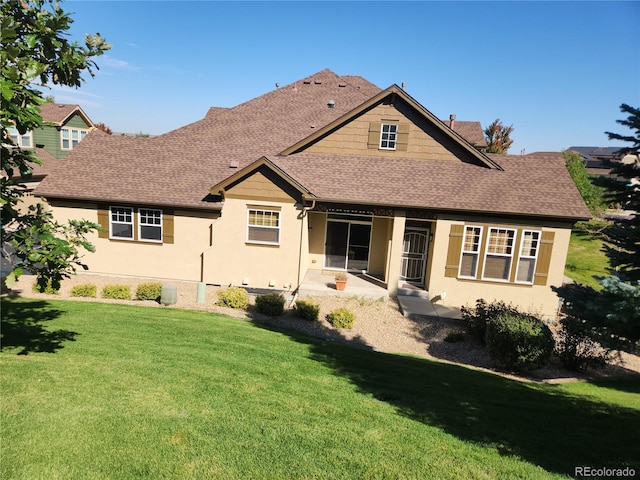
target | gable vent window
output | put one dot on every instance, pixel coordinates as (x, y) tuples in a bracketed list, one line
[(388, 136)]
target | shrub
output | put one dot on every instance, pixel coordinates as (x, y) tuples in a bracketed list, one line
[(233, 297), (118, 292), (49, 290), (478, 317), (518, 341), (341, 318), (149, 291), (84, 290), (308, 310), (577, 348), (270, 304), (454, 336)]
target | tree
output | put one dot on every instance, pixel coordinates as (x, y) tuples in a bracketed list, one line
[(498, 137), (611, 316), (591, 193), (35, 51), (104, 128), (623, 234)]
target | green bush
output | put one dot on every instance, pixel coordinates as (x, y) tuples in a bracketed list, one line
[(483, 312), (117, 292), (149, 291), (49, 290), (454, 336), (233, 297), (341, 318), (270, 304), (307, 310), (84, 290), (576, 347), (520, 341)]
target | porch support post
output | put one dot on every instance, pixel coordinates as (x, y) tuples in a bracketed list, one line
[(395, 251)]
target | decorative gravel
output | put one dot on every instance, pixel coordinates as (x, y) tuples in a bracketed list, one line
[(379, 326)]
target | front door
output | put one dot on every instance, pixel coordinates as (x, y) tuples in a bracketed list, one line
[(347, 245), (414, 256)]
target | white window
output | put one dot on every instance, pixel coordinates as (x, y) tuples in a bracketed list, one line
[(528, 256), (388, 136), (470, 252), (499, 254), (150, 225), (23, 141), (263, 226), (71, 137), (121, 223)]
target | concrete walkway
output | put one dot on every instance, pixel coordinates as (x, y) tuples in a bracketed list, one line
[(322, 283), (418, 306)]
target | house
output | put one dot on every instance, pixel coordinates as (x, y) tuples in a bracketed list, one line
[(328, 173), (598, 160)]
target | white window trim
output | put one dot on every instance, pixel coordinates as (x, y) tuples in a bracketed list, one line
[(71, 129), (477, 253), (265, 210), (17, 138), (528, 257), (487, 254), (140, 225), (395, 138), (111, 222)]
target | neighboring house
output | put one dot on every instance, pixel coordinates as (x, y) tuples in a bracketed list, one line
[(597, 159), (64, 127), (471, 131), (328, 173)]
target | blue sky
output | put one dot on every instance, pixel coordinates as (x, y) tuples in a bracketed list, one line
[(556, 71)]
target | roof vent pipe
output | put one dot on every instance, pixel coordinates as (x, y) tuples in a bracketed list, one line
[(331, 104), (403, 85), (452, 121)]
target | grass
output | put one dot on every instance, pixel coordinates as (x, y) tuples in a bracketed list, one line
[(586, 259), (101, 391)]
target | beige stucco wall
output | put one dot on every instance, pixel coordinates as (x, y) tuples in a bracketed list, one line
[(351, 139), (534, 298), (177, 261), (317, 232), (232, 260)]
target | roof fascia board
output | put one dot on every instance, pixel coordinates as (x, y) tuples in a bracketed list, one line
[(214, 207), (394, 90), (445, 209), (77, 109), (219, 188)]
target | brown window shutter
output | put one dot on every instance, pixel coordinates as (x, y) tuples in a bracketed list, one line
[(455, 247), (403, 137), (374, 135), (544, 259), (103, 221), (167, 226)]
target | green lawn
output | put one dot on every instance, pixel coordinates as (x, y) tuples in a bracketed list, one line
[(104, 391), (585, 259)]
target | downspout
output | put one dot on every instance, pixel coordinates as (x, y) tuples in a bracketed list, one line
[(304, 214), (202, 253)]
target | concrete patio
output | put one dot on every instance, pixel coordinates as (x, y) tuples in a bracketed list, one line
[(322, 283), (414, 303)]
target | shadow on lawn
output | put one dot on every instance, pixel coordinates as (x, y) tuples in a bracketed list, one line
[(540, 424), (24, 326)]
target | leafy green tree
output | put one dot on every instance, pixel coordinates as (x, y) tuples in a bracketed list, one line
[(35, 51), (498, 137), (591, 194)]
